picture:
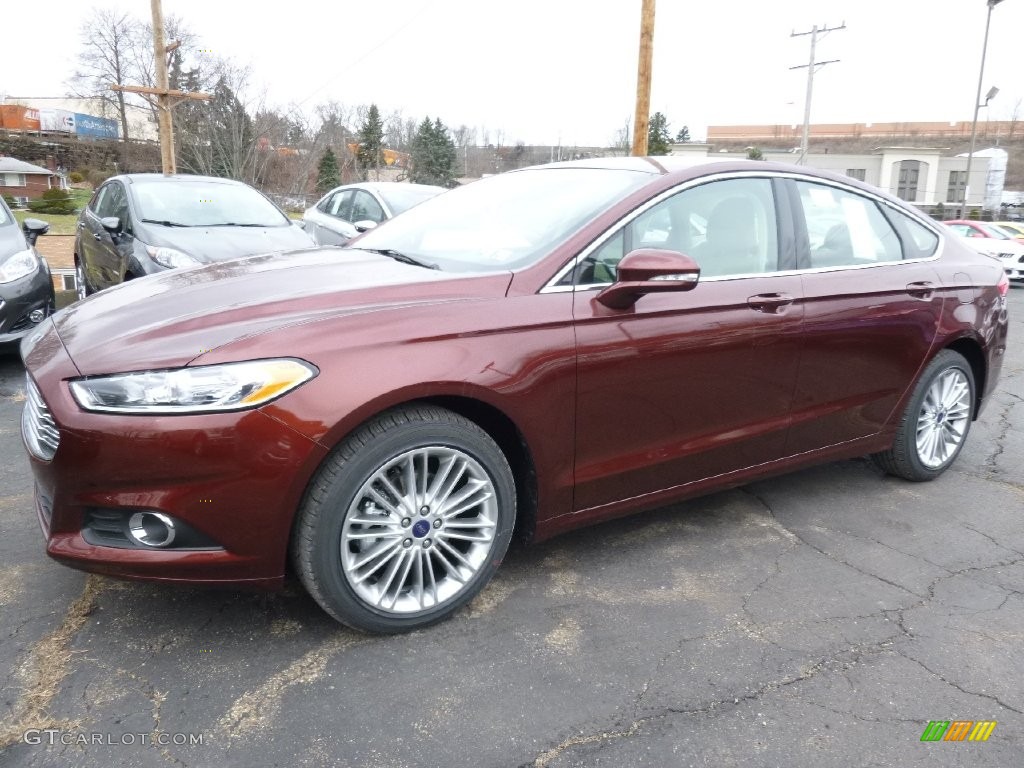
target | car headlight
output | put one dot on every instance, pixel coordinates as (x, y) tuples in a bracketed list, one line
[(21, 264), (203, 389), (171, 258)]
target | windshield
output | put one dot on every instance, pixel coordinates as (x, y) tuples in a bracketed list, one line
[(204, 204), (503, 222), (402, 197)]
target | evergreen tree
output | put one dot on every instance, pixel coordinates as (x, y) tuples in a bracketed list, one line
[(371, 142), (754, 153), (434, 158), (684, 135), (327, 177), (658, 138)]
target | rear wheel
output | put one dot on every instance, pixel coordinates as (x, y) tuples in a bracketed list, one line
[(935, 423), (406, 521)]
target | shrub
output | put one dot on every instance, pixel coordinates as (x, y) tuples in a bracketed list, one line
[(96, 177), (9, 199), (58, 201), (75, 177)]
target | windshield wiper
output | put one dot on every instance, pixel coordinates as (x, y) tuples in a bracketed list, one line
[(165, 223), (405, 258), (236, 224)]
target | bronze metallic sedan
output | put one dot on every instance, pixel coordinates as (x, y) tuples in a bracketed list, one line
[(524, 355)]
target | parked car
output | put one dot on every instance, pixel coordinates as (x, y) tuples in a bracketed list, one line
[(139, 224), (347, 211), (1014, 229), (969, 228), (1006, 249), (26, 287), (509, 357)]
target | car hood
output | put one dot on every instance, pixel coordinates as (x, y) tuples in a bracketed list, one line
[(169, 319), (211, 244)]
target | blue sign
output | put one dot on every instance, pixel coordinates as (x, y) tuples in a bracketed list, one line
[(96, 127)]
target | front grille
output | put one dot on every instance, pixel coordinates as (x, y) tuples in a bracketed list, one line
[(37, 425)]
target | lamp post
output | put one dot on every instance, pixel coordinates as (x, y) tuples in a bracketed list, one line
[(977, 105)]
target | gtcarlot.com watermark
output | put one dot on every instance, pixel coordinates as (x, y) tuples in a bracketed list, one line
[(53, 736)]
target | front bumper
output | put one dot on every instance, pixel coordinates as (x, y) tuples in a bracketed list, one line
[(18, 300), (235, 478)]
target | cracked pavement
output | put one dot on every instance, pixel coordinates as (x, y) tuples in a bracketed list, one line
[(817, 619)]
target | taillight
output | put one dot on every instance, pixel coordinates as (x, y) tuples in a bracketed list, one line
[(1003, 286)]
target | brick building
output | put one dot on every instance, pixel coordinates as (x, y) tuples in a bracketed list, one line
[(24, 181)]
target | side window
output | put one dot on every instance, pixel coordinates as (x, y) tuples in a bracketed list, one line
[(919, 242), (324, 206), (97, 199), (341, 205), (961, 229), (729, 227), (366, 208), (845, 229), (115, 203)]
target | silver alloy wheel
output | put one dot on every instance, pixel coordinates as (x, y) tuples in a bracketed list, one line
[(80, 281), (943, 419), (418, 530)]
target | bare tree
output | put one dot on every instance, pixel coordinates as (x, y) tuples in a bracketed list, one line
[(180, 75), (1014, 118), (464, 136), (226, 137), (107, 58)]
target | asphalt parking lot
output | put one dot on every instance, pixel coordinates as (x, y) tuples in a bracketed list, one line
[(821, 618)]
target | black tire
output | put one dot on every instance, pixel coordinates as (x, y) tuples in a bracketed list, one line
[(317, 535), (82, 281), (903, 459)]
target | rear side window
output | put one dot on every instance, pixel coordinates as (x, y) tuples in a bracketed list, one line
[(846, 229), (919, 242)]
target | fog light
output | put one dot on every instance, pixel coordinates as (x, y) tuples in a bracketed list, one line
[(151, 529), (37, 315)]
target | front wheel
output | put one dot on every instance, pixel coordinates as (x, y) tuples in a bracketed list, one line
[(406, 521), (935, 423)]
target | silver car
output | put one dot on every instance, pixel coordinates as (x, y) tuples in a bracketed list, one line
[(347, 211)]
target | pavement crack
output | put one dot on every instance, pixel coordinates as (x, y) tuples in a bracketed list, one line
[(831, 663), (256, 708), (49, 662), (827, 554), (957, 686)]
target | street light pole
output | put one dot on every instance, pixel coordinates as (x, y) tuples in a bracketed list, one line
[(977, 106)]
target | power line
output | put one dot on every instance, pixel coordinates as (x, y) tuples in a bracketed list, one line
[(812, 66)]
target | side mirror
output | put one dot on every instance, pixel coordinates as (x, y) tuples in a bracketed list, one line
[(33, 228), (649, 270), (365, 225), (112, 224), (300, 223)]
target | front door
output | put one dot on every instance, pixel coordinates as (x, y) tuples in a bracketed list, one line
[(686, 386)]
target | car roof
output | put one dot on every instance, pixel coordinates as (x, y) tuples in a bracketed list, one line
[(176, 177)]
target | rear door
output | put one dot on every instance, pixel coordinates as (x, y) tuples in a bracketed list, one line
[(686, 386), (872, 304)]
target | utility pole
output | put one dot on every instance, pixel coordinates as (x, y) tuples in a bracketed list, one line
[(643, 79), (977, 105), (162, 97), (812, 67)]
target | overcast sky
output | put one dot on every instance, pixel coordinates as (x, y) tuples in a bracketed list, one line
[(545, 71)]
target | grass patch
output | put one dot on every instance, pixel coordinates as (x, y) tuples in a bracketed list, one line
[(59, 224)]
